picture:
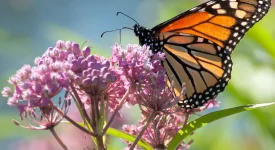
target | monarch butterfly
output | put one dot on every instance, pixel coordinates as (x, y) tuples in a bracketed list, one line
[(198, 43)]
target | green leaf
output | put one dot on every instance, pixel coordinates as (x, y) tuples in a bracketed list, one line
[(258, 114), (208, 118), (264, 38), (125, 136), (129, 137)]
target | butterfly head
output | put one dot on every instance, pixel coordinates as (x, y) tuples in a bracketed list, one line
[(145, 35)]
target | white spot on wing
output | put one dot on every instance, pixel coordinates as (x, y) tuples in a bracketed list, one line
[(200, 39), (210, 3), (233, 5), (216, 6), (240, 14), (244, 23), (193, 9), (221, 11)]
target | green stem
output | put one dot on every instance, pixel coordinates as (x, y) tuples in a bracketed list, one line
[(82, 112), (78, 100), (101, 115), (150, 118), (186, 117), (93, 114), (58, 139), (100, 143), (73, 122), (125, 96)]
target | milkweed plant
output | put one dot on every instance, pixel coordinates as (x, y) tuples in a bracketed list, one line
[(68, 76)]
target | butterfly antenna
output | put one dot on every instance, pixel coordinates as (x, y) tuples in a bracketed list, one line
[(120, 36), (116, 30), (127, 16), (120, 29)]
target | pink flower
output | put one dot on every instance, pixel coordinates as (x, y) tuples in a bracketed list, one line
[(156, 97), (43, 118), (145, 75), (160, 132), (210, 104), (34, 87), (6, 92), (95, 76), (138, 64)]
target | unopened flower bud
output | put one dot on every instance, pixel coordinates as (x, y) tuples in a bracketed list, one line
[(91, 58), (87, 82), (86, 51), (103, 70), (6, 92), (106, 63), (95, 81), (68, 45), (75, 49), (107, 77), (60, 44)]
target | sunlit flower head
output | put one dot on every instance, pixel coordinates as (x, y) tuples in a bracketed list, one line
[(35, 86), (145, 76), (138, 64), (96, 76)]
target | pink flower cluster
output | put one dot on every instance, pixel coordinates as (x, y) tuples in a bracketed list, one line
[(145, 76), (160, 131), (59, 68), (139, 65), (36, 86), (134, 75)]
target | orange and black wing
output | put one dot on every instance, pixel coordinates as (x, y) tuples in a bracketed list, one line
[(202, 65), (223, 22)]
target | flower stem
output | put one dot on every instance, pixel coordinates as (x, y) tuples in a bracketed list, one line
[(85, 115), (92, 118), (100, 143), (186, 117), (101, 116), (125, 96), (58, 139), (73, 122), (149, 119)]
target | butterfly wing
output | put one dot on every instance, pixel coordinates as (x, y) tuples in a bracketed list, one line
[(200, 64), (223, 22), (198, 44)]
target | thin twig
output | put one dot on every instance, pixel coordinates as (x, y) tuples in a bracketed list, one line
[(80, 103), (96, 107), (125, 96), (58, 139), (186, 117), (149, 119), (100, 143), (93, 116), (73, 122), (101, 115)]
